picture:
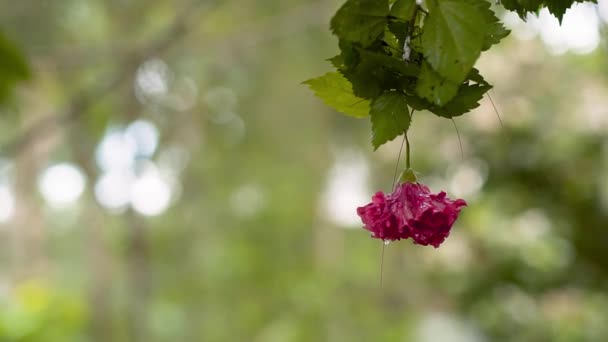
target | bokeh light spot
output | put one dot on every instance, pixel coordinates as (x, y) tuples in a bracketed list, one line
[(61, 185)]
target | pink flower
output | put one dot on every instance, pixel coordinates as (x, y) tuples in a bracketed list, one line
[(381, 219), (411, 211)]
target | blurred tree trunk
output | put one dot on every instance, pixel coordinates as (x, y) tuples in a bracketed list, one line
[(99, 256), (30, 258), (100, 296), (139, 280), (29, 236)]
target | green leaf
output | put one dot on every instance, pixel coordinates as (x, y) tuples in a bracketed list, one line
[(390, 117), (404, 9), (495, 31), (400, 30), (434, 88), (349, 56), (468, 98), (418, 103), (476, 77), (453, 36), (556, 7), (522, 7), (361, 21), (390, 63), (402, 13), (376, 72), (366, 78), (393, 47), (337, 61), (337, 92)]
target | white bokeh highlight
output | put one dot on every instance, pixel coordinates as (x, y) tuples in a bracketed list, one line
[(61, 185), (579, 31), (112, 189), (150, 193), (468, 179), (144, 135), (152, 80), (347, 188), (130, 178), (116, 151)]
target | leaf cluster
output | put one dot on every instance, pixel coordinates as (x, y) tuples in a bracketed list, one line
[(397, 56), (556, 7)]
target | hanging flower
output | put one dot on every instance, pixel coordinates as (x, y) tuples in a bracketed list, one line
[(411, 211), (381, 219)]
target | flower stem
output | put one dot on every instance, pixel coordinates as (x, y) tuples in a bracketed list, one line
[(397, 164), (407, 146), (407, 152)]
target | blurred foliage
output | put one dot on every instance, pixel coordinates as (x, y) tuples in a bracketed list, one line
[(35, 312), (248, 249), (13, 67)]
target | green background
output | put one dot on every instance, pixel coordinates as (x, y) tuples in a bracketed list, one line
[(249, 249)]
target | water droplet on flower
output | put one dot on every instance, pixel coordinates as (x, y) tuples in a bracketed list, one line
[(386, 242)]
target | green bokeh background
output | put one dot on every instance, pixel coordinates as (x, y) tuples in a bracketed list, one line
[(248, 249)]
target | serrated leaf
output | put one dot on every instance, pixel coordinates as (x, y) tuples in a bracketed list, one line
[(337, 61), (366, 79), (453, 36), (559, 7), (376, 72), (495, 31), (467, 99), (522, 7), (361, 21), (390, 117), (337, 92), (476, 77), (434, 88), (393, 47), (418, 103), (390, 63), (404, 9)]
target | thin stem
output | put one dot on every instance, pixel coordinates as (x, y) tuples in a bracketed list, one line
[(496, 111), (397, 164), (382, 262), (407, 152), (459, 140), (407, 149)]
